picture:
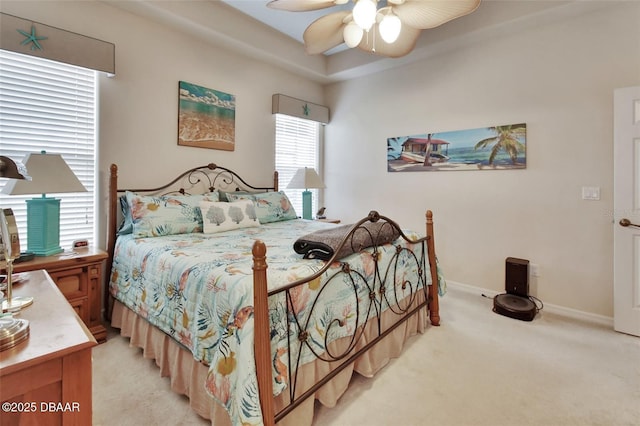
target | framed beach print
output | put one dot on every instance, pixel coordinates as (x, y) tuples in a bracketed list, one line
[(486, 148), (206, 117)]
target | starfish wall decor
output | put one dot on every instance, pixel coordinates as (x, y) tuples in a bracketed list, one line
[(32, 38)]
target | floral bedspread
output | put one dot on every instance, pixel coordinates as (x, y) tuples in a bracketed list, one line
[(198, 288)]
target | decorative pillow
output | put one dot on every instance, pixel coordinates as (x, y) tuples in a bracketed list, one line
[(126, 227), (221, 216), (223, 194), (166, 215), (270, 206)]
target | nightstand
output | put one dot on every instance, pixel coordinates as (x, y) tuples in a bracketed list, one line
[(329, 220), (78, 275)]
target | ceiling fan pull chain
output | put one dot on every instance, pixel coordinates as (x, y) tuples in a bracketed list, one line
[(374, 39)]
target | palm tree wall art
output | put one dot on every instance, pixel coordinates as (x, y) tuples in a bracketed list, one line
[(486, 148)]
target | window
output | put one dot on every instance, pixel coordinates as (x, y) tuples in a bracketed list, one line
[(297, 145), (51, 106)]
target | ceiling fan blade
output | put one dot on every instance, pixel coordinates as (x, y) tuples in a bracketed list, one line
[(425, 14), (403, 45), (300, 5), (325, 33)]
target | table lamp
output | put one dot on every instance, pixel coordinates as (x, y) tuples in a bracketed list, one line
[(49, 174), (305, 178)]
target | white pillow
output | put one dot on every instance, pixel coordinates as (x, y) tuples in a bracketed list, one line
[(221, 216)]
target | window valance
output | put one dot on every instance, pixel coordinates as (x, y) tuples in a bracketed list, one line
[(282, 104), (36, 39)]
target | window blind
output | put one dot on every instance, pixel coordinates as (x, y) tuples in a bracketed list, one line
[(51, 106), (297, 142)]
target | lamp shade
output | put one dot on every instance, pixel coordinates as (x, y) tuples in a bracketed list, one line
[(49, 174), (11, 169), (305, 178)]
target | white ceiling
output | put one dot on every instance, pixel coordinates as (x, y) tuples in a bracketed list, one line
[(274, 36)]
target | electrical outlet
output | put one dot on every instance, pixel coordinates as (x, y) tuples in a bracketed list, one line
[(534, 270)]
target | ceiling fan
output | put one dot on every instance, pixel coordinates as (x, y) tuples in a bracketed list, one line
[(384, 27)]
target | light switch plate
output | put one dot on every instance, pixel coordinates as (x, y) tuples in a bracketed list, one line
[(591, 193)]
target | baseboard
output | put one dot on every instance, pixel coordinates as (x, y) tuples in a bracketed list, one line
[(548, 307)]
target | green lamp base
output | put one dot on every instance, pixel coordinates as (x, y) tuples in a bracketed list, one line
[(306, 205), (43, 226)]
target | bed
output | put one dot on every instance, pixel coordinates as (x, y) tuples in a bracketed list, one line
[(252, 312)]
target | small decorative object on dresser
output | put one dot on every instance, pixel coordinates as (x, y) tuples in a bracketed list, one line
[(78, 275)]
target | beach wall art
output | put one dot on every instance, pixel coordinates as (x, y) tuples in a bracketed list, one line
[(206, 117), (485, 148)]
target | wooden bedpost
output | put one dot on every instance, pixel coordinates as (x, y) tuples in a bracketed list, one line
[(112, 214), (262, 341), (275, 180), (434, 304)]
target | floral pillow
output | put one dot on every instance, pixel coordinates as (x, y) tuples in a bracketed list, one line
[(153, 216), (221, 216), (224, 197), (270, 206)]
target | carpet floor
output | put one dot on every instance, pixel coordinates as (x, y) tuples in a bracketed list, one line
[(478, 368)]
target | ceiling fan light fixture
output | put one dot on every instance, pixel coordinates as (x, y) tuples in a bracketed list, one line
[(352, 34), (364, 13), (399, 23), (390, 27)]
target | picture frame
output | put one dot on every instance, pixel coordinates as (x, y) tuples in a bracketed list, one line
[(206, 117), (487, 148)]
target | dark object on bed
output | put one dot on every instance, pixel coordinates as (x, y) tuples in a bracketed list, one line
[(323, 244)]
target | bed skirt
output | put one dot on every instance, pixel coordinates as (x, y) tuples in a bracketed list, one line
[(188, 375)]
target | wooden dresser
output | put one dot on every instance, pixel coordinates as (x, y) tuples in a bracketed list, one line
[(46, 379), (78, 275)]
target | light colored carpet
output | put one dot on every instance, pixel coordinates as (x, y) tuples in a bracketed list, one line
[(478, 368)]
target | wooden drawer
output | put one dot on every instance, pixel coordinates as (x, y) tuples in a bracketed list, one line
[(81, 306), (71, 282)]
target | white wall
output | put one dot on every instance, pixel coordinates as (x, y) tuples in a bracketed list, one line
[(559, 79), (139, 106)]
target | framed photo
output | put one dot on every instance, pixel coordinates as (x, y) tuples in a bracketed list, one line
[(486, 148), (206, 117)]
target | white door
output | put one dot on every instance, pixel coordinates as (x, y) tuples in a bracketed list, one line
[(626, 263)]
